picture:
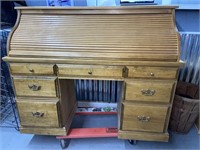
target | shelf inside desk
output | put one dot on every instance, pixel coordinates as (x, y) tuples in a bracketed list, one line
[(90, 133)]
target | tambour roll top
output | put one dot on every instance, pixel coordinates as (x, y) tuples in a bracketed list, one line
[(119, 33)]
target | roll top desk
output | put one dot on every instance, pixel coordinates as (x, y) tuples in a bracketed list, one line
[(50, 47)]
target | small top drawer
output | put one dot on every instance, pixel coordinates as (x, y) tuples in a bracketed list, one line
[(90, 71), (149, 91), (152, 72), (35, 86), (31, 68)]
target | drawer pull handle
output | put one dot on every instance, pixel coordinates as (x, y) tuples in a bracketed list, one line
[(37, 114), (148, 92), (34, 87), (144, 118), (152, 74), (31, 70), (90, 72)]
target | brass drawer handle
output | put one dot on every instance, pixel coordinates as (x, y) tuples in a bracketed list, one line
[(144, 118), (90, 72), (38, 114), (34, 87), (148, 92), (31, 70)]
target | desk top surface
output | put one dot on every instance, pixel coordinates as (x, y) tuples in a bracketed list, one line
[(100, 7)]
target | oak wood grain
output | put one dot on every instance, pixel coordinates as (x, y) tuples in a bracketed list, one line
[(162, 90), (86, 61), (98, 10), (90, 71), (31, 69), (156, 114), (46, 86), (38, 113), (138, 45), (103, 32), (67, 101), (43, 131), (152, 72)]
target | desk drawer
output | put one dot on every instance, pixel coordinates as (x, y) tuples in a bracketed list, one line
[(38, 113), (152, 72), (35, 86), (90, 71), (144, 117), (148, 90), (31, 69)]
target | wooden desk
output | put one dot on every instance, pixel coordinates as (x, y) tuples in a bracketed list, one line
[(49, 47)]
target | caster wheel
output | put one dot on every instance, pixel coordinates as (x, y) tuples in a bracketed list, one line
[(132, 142), (64, 143)]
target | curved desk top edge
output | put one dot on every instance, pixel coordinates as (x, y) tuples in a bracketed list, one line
[(96, 7)]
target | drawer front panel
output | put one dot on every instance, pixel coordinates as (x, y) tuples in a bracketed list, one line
[(152, 72), (38, 113), (152, 91), (144, 118), (45, 87), (31, 69), (90, 71)]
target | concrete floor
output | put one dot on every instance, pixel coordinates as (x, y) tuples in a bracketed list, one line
[(11, 139)]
